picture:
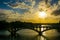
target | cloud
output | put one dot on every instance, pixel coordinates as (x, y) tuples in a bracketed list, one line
[(10, 16), (46, 6), (56, 12), (2, 16), (59, 2), (21, 5), (32, 14), (7, 15)]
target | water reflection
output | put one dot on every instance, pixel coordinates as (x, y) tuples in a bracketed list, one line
[(40, 38), (28, 34)]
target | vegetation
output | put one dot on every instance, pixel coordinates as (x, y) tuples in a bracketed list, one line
[(13, 25)]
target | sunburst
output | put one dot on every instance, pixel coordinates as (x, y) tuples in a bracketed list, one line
[(42, 14)]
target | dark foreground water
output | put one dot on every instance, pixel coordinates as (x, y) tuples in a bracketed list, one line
[(38, 37), (46, 36), (28, 34)]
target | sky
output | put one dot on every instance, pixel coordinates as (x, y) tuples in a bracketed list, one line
[(4, 6), (28, 10)]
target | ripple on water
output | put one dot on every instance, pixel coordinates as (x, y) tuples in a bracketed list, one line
[(51, 33), (4, 32), (27, 32)]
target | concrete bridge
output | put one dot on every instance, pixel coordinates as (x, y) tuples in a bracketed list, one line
[(40, 28), (13, 27)]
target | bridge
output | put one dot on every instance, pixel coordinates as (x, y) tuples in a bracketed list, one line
[(38, 27), (13, 27)]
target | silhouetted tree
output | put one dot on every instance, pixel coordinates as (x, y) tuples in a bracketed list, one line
[(3, 25)]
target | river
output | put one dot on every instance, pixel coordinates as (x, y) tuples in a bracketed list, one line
[(28, 34)]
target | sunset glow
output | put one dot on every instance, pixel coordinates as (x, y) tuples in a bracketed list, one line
[(42, 14)]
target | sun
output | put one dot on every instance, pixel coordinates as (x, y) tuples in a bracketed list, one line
[(42, 14)]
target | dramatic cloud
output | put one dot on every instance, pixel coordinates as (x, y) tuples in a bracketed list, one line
[(50, 9), (56, 12), (10, 16), (53, 12), (43, 5), (21, 5)]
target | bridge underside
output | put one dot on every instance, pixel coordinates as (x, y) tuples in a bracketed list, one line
[(13, 27), (38, 28)]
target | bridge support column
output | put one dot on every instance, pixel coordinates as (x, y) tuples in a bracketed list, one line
[(13, 33), (38, 29), (40, 33)]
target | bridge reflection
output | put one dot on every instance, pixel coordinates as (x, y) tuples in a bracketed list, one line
[(40, 28), (13, 27)]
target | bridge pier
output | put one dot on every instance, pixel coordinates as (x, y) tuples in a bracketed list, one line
[(13, 33), (40, 33), (38, 29)]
